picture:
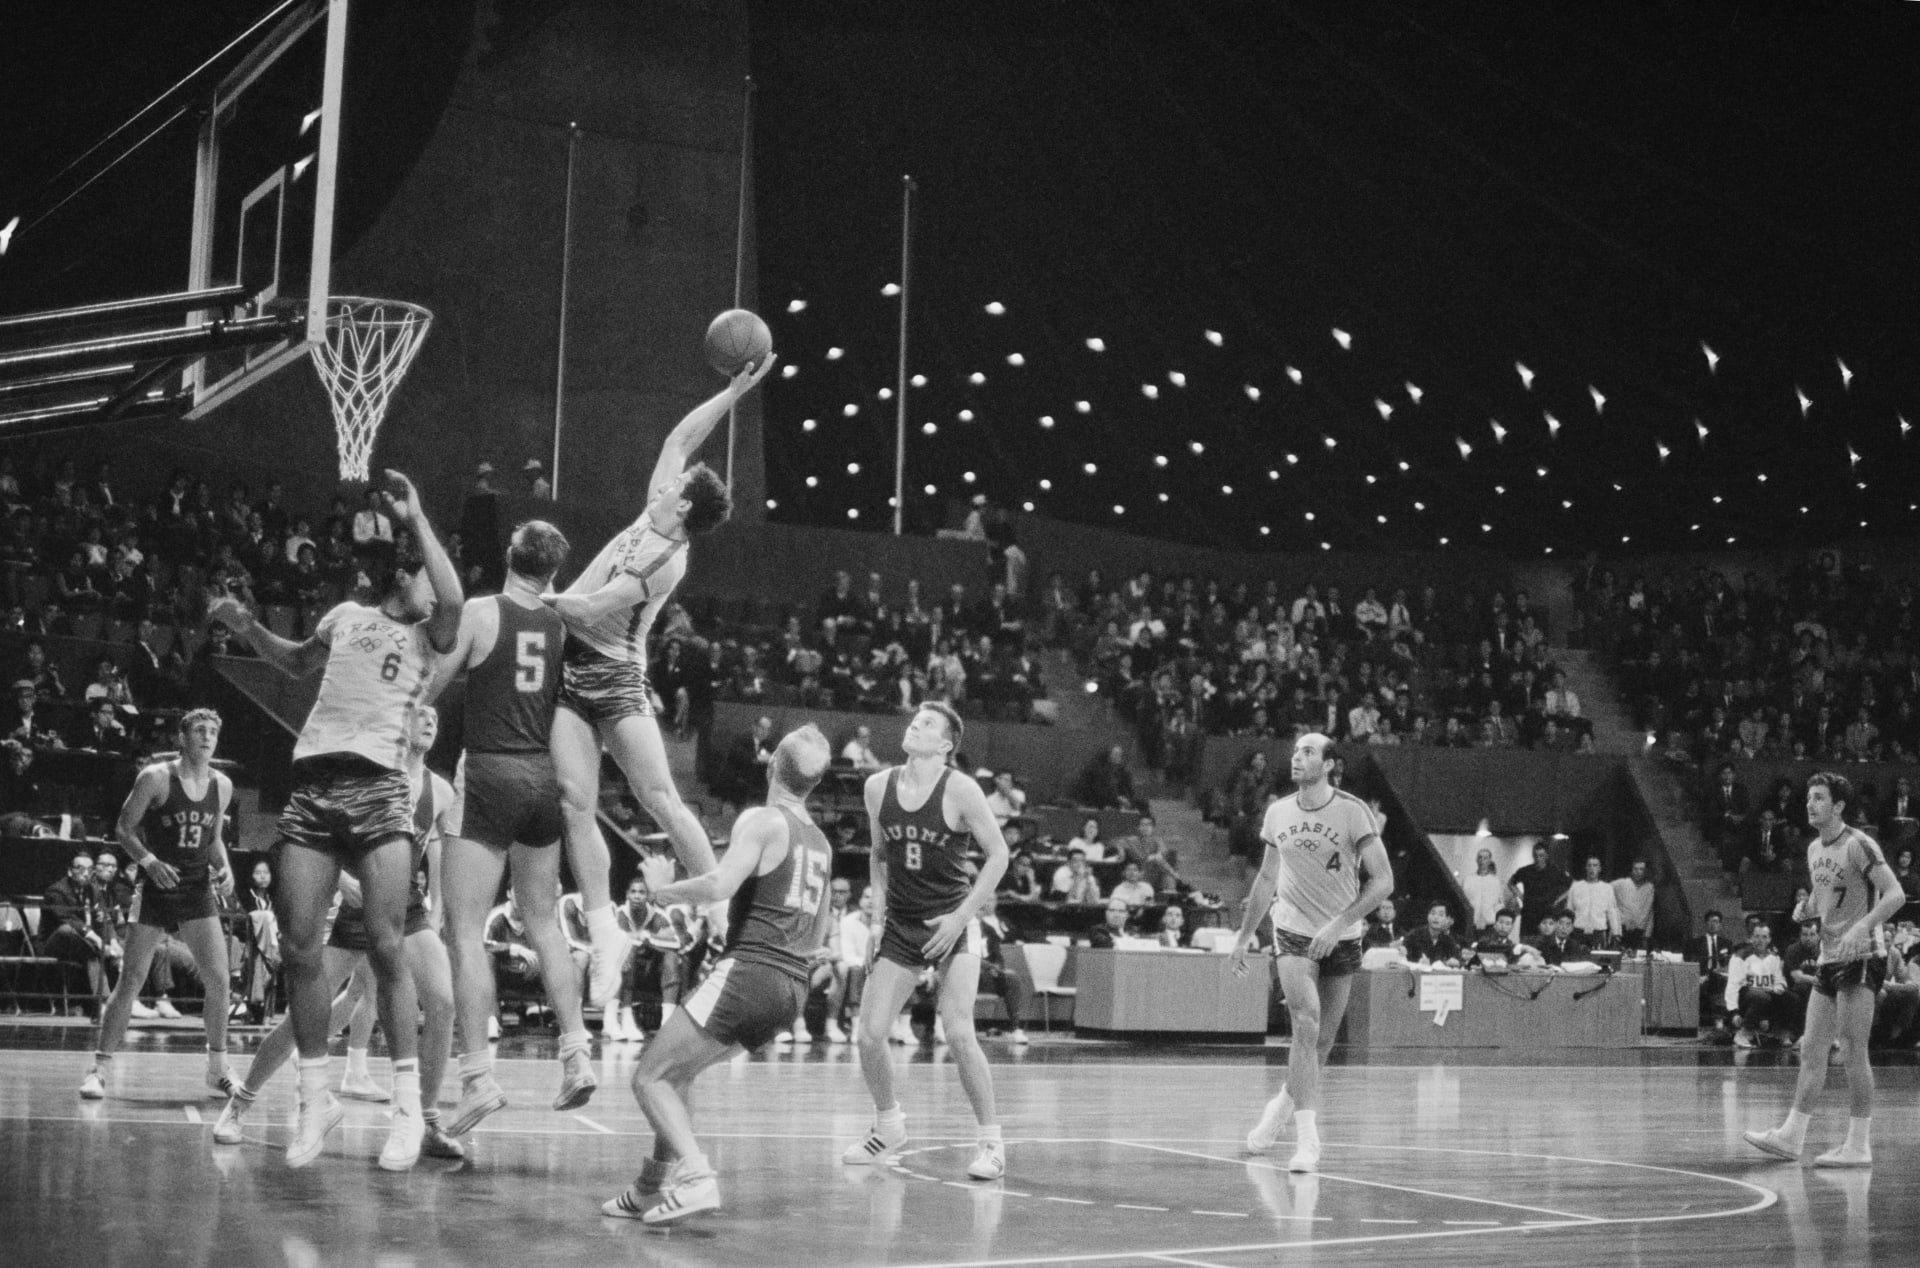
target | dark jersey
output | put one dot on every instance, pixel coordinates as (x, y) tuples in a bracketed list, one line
[(771, 918), (926, 860), (179, 828), (510, 694)]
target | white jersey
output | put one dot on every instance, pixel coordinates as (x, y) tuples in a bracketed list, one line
[(638, 550), (377, 675), (1319, 852)]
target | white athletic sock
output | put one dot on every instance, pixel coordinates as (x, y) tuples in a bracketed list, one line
[(1795, 1128), (573, 1041), (600, 920), (357, 1062), (474, 1065), (216, 1057), (313, 1080), (406, 1085), (1305, 1124), (991, 1133), (692, 1165), (891, 1118), (1859, 1133), (102, 1058)]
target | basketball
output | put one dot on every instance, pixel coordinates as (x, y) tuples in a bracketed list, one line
[(736, 340)]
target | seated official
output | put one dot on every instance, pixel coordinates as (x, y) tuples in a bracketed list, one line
[(1558, 945), (1173, 927), (1006, 801), (1433, 942), (1499, 940), (995, 976), (1020, 881), (1118, 924), (1380, 931)]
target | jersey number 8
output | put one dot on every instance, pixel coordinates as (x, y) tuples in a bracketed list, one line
[(912, 859)]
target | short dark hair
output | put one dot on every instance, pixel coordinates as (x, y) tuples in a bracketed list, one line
[(1838, 786), (1713, 913), (709, 502), (956, 729), (537, 549)]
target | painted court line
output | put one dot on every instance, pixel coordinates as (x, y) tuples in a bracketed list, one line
[(1368, 1221), (1181, 1259), (192, 1112), (1471, 1223), (602, 1128), (1377, 1184), (1128, 1206), (1070, 1201), (1232, 1215)]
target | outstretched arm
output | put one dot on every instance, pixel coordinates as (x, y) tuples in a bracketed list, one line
[(691, 432), (444, 625), (754, 832), (295, 660)]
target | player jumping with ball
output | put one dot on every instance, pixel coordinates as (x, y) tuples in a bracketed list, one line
[(605, 696)]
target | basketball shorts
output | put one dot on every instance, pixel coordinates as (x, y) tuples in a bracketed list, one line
[(904, 941), (1831, 979), (168, 909), (350, 926), (602, 689), (345, 806), (508, 799), (1342, 961), (746, 1003)]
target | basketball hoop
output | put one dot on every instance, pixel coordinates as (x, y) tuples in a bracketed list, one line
[(369, 345)]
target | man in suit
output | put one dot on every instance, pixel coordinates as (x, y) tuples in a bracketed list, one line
[(1558, 944), (1712, 950), (995, 976), (1900, 820), (101, 731), (1725, 821)]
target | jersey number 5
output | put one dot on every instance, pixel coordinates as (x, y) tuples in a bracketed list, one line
[(530, 661), (809, 882)]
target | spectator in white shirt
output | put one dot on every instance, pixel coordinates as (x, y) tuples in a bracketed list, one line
[(1133, 888), (1308, 607), (1370, 613), (371, 522), (1633, 895), (1363, 719), (1074, 882), (1596, 913), (1757, 990), (1487, 894), (1005, 801), (1561, 702), (859, 751)]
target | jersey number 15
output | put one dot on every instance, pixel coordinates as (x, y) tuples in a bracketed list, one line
[(809, 882)]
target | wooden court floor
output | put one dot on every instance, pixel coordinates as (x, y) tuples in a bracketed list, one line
[(1117, 1156)]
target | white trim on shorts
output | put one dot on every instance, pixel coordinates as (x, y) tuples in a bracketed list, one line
[(700, 1005)]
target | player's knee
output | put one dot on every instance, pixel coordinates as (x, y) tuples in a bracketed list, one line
[(660, 798), (1306, 1026)]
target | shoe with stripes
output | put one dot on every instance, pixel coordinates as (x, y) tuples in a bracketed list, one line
[(222, 1081), (989, 1161), (232, 1126), (686, 1195), (880, 1145)]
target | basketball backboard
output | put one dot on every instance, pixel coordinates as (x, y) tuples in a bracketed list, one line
[(192, 245), (266, 166)]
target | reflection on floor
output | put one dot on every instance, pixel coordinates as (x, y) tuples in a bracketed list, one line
[(1127, 1154)]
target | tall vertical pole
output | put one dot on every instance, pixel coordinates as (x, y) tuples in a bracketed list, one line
[(566, 276), (740, 243), (900, 384)]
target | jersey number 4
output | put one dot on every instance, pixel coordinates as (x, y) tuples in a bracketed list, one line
[(809, 882), (1333, 862), (530, 662)]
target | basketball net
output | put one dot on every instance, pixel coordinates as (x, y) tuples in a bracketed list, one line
[(369, 345)]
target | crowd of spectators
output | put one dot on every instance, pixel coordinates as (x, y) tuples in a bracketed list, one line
[(1821, 663), (1185, 657)]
